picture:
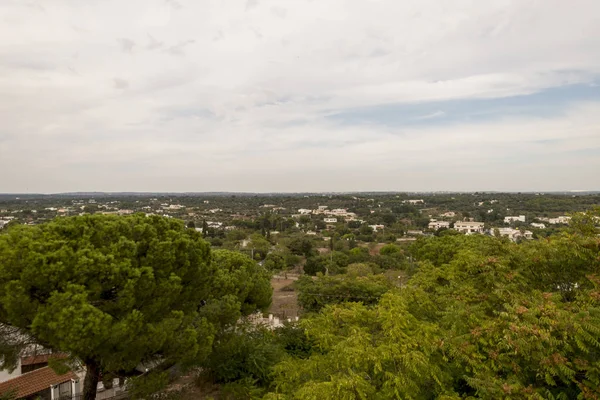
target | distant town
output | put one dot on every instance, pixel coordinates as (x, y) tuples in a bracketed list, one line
[(366, 218)]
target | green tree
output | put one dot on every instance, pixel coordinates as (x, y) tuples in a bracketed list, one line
[(300, 245), (358, 286), (204, 228), (260, 245), (116, 292), (473, 323), (246, 352), (240, 275), (389, 249), (315, 265), (274, 262)]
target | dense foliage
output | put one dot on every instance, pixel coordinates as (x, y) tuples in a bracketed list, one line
[(119, 292), (482, 318)]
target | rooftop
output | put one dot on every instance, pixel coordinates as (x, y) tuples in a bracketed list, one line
[(34, 381)]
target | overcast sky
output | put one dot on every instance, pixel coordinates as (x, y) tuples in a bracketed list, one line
[(299, 95)]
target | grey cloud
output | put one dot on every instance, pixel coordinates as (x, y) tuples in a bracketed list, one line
[(153, 43), (177, 49), (79, 29), (251, 4), (126, 45), (120, 83), (37, 6), (218, 35), (173, 3), (279, 11)]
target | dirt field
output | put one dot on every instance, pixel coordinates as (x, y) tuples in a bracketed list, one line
[(285, 303)]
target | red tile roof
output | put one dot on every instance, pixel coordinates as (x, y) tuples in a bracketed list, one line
[(40, 358), (34, 381)]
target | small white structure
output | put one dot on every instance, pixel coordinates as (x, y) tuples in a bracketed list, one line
[(469, 226), (419, 201), (304, 211), (435, 224), (508, 220), (449, 214), (339, 211), (560, 220), (538, 225), (330, 220), (514, 234), (377, 227)]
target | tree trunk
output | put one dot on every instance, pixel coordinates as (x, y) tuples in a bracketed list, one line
[(90, 383)]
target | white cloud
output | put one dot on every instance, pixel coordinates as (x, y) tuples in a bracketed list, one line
[(185, 95)]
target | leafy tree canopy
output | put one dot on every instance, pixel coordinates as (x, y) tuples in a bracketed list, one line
[(116, 292)]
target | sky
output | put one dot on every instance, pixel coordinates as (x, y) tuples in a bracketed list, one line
[(299, 95)]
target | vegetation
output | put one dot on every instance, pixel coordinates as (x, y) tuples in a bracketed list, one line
[(119, 292), (384, 314), (478, 322)]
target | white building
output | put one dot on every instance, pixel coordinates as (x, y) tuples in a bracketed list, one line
[(419, 201), (449, 214), (560, 220), (377, 227), (338, 211), (508, 220), (435, 224), (330, 220), (538, 225), (514, 234), (469, 226), (304, 211)]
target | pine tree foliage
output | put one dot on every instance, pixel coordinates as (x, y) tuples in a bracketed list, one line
[(119, 292)]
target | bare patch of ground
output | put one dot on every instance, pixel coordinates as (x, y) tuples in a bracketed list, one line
[(285, 301)]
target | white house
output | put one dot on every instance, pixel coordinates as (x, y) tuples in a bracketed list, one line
[(376, 227), (339, 211), (514, 234), (330, 220), (538, 225), (419, 201), (304, 211), (33, 378), (508, 220), (449, 214), (469, 226), (560, 220), (435, 224)]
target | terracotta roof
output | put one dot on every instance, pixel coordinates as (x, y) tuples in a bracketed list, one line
[(34, 381), (40, 358)]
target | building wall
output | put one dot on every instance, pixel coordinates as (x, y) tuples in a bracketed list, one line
[(5, 375)]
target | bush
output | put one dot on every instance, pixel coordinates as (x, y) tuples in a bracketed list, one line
[(247, 353)]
